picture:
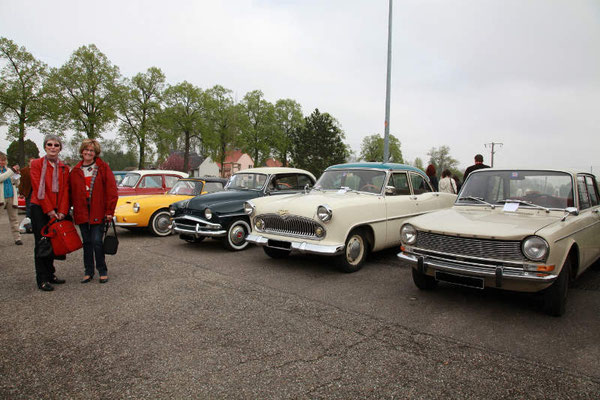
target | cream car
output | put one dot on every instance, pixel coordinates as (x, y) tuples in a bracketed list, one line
[(352, 210), (522, 230)]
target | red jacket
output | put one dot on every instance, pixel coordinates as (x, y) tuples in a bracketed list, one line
[(104, 194), (52, 201)]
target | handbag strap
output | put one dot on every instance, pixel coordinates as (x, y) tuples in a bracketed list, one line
[(46, 227), (107, 227)]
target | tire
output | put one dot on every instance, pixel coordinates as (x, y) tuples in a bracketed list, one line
[(160, 222), (276, 253), (423, 281), (555, 297), (236, 235), (191, 238), (355, 252)]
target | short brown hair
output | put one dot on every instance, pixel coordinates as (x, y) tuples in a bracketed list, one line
[(90, 142), (2, 156)]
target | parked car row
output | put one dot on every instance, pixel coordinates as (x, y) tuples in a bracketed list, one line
[(522, 230)]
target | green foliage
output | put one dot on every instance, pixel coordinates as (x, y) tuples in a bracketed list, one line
[(372, 149), (288, 119), (419, 164), (139, 106), (116, 157), (256, 126), (21, 92), (318, 143), (441, 159), (223, 120), (14, 155), (84, 92)]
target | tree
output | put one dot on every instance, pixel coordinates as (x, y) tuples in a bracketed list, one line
[(372, 149), (117, 159), (223, 120), (21, 92), (84, 92), (288, 118), (318, 143), (257, 126), (139, 106), (419, 163), (183, 116), (441, 159), (14, 155)]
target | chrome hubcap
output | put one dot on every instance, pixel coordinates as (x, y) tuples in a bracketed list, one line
[(238, 235), (162, 224), (354, 249)]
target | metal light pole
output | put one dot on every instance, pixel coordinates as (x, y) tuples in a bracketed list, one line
[(386, 138)]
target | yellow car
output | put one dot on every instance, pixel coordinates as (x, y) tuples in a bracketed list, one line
[(152, 211)]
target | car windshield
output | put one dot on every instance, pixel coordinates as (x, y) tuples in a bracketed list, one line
[(542, 188), (363, 180), (130, 180), (247, 181), (187, 188), (119, 178)]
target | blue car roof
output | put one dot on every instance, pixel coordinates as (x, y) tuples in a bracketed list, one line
[(377, 165)]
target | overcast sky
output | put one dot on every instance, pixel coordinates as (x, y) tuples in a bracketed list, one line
[(524, 73)]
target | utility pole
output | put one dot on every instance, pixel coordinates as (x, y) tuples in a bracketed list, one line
[(493, 151), (386, 136)]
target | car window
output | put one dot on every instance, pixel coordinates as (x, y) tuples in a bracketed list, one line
[(419, 184), (211, 187), (399, 181), (591, 185), (367, 180), (130, 180), (293, 182), (247, 181), (171, 180), (584, 200), (151, 182)]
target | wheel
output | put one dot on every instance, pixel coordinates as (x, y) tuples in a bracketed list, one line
[(355, 252), (423, 281), (160, 222), (236, 235), (191, 238), (555, 297), (276, 253)]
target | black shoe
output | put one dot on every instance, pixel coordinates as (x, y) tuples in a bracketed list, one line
[(46, 287), (57, 281), (103, 280), (86, 280), (19, 242)]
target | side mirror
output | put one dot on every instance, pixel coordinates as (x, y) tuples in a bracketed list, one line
[(390, 190), (572, 210)]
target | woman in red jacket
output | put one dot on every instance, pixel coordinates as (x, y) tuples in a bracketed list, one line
[(94, 197), (49, 199)]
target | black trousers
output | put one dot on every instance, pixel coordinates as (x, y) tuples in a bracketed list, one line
[(44, 267)]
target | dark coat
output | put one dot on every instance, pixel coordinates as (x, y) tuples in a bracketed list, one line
[(52, 201), (104, 195)]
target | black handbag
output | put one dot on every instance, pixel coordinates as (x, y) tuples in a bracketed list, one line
[(110, 242), (43, 248)]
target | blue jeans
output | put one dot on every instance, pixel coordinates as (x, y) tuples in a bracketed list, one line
[(92, 236)]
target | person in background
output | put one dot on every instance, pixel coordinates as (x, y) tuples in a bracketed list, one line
[(457, 181), (430, 171), (25, 191), (447, 183), (94, 198), (478, 165), (9, 195), (49, 200)]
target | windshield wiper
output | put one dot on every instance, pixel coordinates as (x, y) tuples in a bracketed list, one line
[(527, 203), (479, 199)]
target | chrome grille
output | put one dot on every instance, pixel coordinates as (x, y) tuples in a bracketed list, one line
[(470, 247), (290, 225)]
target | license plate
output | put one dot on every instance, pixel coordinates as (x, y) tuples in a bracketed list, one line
[(461, 280), (279, 244)]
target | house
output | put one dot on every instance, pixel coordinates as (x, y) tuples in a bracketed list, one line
[(207, 168), (235, 161), (271, 162)]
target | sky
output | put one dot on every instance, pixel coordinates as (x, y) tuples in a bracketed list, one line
[(465, 73)]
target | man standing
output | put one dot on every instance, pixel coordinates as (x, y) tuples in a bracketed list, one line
[(478, 165), (9, 195)]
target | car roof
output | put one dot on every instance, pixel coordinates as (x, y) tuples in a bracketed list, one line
[(205, 178), (570, 171), (274, 170), (377, 165), (157, 171)]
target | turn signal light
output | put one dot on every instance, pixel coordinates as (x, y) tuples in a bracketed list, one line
[(401, 248), (545, 268)]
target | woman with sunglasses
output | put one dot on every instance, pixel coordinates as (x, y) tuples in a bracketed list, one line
[(49, 200)]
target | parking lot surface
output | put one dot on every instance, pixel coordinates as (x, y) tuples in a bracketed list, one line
[(180, 320)]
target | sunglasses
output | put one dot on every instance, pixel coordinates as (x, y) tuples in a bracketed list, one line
[(53, 144)]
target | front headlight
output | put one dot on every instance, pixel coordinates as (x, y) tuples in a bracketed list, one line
[(324, 213), (249, 208), (208, 213), (408, 234), (136, 207), (171, 210), (535, 248)]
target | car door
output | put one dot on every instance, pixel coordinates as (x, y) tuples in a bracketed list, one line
[(400, 205), (588, 225), (424, 198)]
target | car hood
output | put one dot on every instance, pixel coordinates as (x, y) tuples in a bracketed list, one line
[(152, 198), (486, 223), (214, 199)]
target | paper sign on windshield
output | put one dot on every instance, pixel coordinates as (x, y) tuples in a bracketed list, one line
[(511, 207)]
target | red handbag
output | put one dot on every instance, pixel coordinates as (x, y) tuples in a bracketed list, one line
[(63, 236)]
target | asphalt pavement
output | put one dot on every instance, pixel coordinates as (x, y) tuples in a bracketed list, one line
[(179, 320)]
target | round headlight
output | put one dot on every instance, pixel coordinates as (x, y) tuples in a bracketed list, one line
[(208, 213), (171, 210), (324, 213), (535, 248), (136, 207), (259, 224), (408, 234), (248, 208)]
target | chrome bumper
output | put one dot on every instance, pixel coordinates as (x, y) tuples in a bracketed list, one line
[(201, 227), (301, 247), (126, 223), (425, 263)]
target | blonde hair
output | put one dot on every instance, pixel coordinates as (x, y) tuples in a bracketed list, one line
[(90, 142)]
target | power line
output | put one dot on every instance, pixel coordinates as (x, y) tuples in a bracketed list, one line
[(492, 145)]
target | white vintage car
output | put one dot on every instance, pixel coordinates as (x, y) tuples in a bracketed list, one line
[(352, 210), (522, 230)]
